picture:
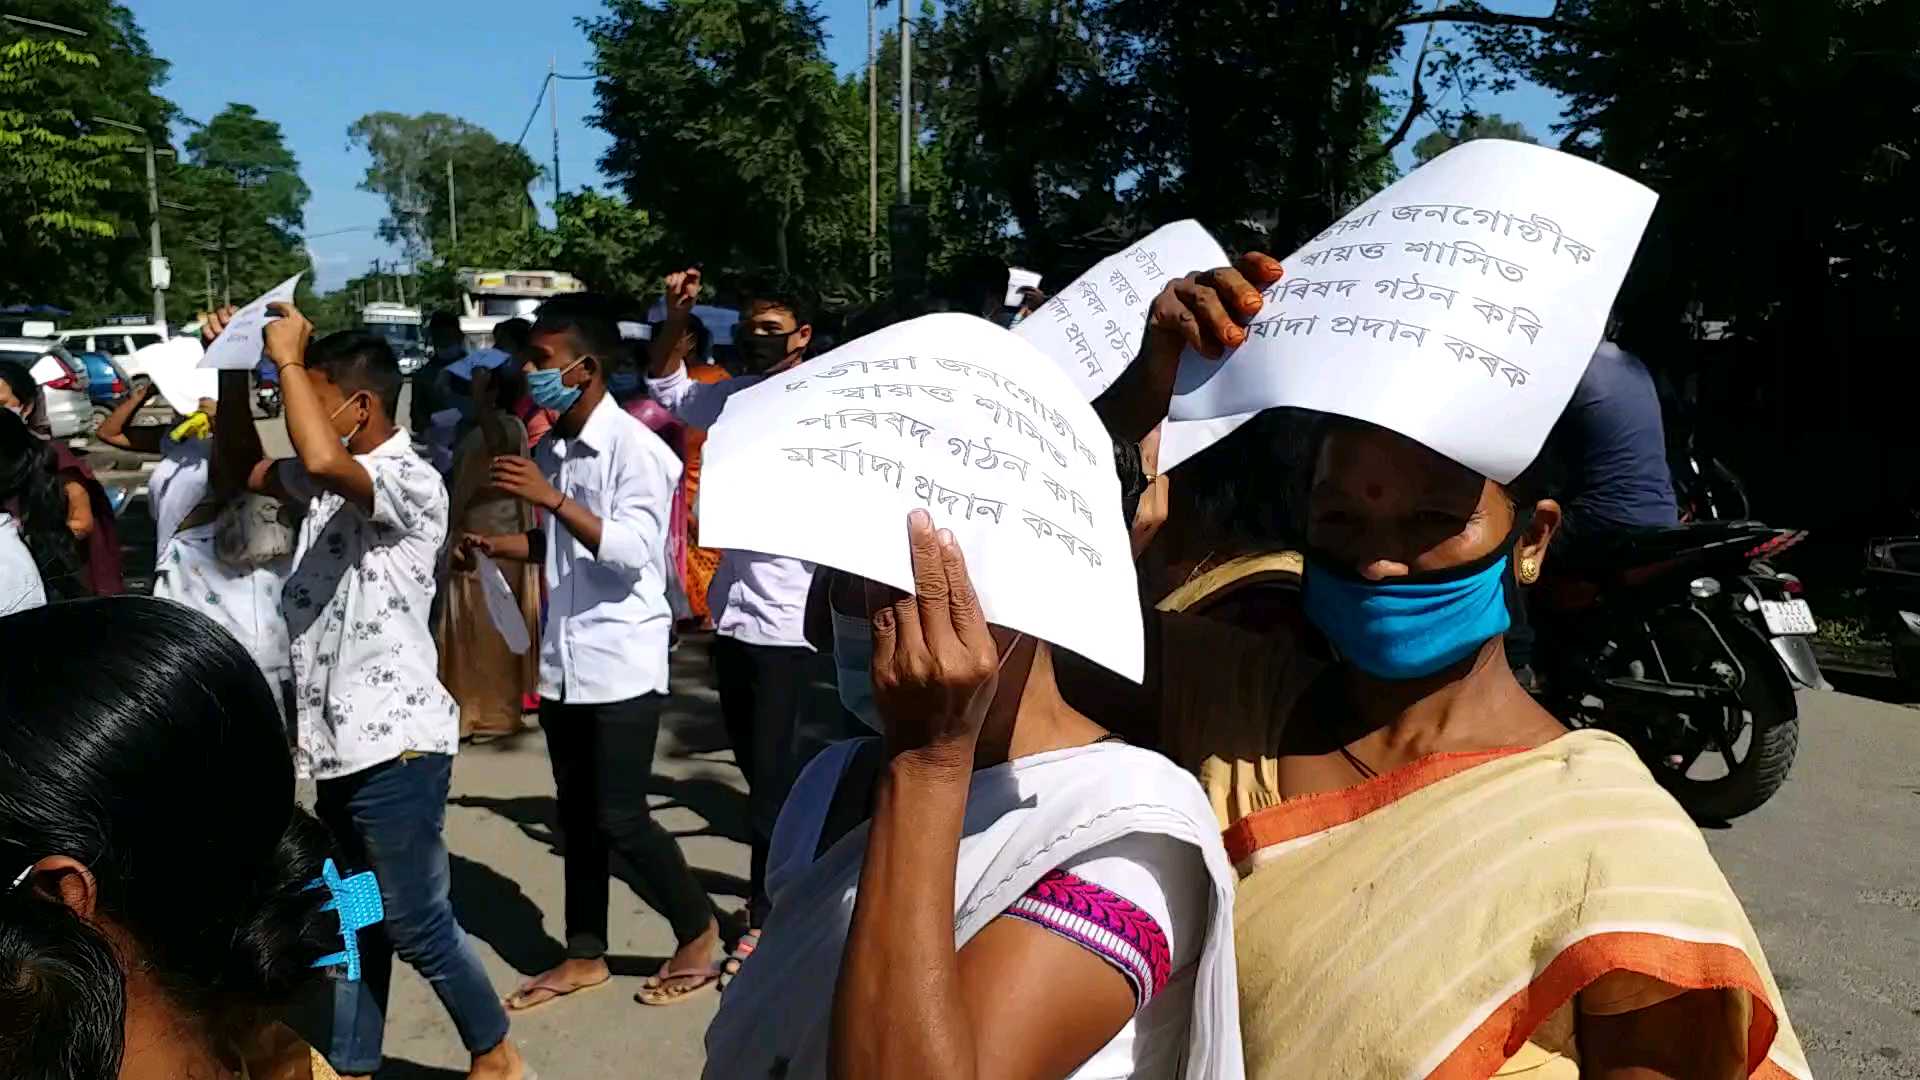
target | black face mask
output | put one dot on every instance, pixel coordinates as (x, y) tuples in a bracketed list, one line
[(760, 352)]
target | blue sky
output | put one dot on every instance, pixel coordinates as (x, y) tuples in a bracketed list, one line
[(483, 60)]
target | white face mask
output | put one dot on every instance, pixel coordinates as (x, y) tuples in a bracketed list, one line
[(347, 439), (853, 668)]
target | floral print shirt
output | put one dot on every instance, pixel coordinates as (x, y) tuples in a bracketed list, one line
[(365, 671)]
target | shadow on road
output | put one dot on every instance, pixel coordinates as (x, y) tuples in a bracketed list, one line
[(1859, 682), (493, 908)]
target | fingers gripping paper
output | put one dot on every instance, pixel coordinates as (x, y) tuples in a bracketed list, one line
[(954, 415), (1458, 307), (1093, 327), (239, 345)]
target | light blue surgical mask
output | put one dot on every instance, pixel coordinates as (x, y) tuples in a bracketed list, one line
[(853, 667), (547, 389), (1407, 629)]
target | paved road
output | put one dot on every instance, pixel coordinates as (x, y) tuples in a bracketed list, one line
[(1829, 871)]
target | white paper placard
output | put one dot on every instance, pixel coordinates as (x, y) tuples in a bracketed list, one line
[(502, 609), (954, 415), (239, 346), (1458, 307), (173, 365), (1017, 280), (47, 369), (1093, 327)]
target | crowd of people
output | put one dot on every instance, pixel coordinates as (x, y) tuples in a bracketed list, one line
[(1330, 835)]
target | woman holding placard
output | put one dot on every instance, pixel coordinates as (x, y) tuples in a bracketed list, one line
[(1002, 889), (1436, 877)]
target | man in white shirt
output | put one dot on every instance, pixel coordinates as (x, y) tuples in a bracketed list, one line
[(373, 724), (778, 695), (607, 485)]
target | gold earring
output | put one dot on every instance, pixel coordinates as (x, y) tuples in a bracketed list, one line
[(1529, 570)]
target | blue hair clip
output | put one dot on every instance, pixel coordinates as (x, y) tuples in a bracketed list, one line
[(357, 902)]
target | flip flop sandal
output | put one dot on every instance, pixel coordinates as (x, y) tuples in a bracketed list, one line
[(553, 989), (730, 967), (661, 989)]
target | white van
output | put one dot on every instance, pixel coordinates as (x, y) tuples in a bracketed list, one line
[(118, 342)]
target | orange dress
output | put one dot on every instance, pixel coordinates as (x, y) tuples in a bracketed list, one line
[(701, 562)]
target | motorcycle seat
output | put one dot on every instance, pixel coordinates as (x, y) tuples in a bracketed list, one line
[(1625, 549)]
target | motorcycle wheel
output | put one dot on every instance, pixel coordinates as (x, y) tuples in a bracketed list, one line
[(1750, 745)]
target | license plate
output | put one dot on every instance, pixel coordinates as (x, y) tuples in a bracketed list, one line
[(1788, 616)]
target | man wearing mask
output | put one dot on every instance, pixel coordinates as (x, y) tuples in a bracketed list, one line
[(778, 695)]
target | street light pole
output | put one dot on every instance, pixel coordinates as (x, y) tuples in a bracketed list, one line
[(873, 155), (154, 257), (453, 210), (906, 107)]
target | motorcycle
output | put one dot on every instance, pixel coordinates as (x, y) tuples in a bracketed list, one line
[(1893, 585), (267, 396), (1687, 643)]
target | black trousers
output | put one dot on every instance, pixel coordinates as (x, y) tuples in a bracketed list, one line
[(782, 706), (602, 755)]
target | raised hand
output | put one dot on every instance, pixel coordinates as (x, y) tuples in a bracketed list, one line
[(683, 288), (287, 336), (934, 661), (215, 321), (1207, 311)]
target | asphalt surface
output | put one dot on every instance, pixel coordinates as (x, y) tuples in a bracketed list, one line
[(1829, 871)]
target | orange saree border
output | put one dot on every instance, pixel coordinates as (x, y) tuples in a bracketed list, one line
[(1689, 965), (1309, 814)]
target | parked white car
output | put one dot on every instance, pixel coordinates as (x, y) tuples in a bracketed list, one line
[(119, 342), (65, 407)]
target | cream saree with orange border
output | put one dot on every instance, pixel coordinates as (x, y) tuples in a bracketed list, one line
[(1445, 919), (1450, 919)]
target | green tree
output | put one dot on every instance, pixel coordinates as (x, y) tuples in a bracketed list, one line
[(73, 232), (248, 205), (730, 128), (1471, 126), (409, 169), (607, 243)]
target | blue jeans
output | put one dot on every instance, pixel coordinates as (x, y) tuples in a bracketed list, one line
[(388, 819)]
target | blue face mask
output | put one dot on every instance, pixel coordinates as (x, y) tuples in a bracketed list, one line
[(853, 668), (1407, 629), (547, 389), (624, 383)]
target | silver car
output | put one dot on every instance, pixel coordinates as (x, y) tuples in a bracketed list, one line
[(65, 410)]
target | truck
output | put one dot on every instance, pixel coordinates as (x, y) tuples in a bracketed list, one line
[(400, 325), (490, 297)]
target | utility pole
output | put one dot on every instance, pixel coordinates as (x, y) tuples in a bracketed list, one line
[(453, 209), (399, 283), (155, 260), (553, 117), (906, 107), (873, 154)]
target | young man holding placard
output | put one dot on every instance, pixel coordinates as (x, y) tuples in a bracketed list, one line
[(607, 486), (373, 724), (778, 695)]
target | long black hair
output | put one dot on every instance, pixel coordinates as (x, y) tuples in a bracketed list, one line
[(138, 738), (33, 492)]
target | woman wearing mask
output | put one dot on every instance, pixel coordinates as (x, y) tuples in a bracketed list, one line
[(1437, 878), (157, 903), (89, 511), (488, 680), (998, 887)]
